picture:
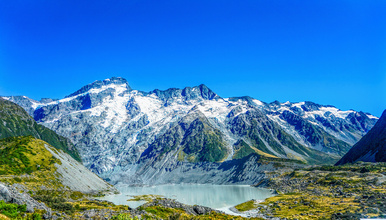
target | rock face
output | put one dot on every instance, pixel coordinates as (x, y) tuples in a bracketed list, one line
[(12, 195), (77, 177), (128, 135), (371, 148)]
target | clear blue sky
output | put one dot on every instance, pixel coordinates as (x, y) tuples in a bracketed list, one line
[(330, 51)]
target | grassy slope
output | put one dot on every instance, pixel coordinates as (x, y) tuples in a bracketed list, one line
[(26, 155)]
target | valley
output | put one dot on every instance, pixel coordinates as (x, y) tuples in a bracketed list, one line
[(184, 154)]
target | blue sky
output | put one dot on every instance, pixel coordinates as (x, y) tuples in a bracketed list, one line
[(330, 52)]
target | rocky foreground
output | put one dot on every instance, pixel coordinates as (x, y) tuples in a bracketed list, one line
[(326, 192), (322, 192)]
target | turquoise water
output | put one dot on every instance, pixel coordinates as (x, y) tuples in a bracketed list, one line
[(213, 196)]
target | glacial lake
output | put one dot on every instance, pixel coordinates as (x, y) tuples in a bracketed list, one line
[(213, 196)]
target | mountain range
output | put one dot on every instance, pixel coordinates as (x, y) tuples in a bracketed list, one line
[(192, 134)]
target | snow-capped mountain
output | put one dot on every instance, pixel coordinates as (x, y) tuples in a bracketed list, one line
[(123, 134)]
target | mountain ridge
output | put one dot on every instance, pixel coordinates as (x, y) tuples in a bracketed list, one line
[(116, 128)]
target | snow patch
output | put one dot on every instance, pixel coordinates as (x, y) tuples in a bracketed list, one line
[(372, 116), (257, 102)]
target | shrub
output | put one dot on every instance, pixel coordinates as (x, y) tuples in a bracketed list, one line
[(54, 201), (36, 216), (122, 217), (11, 210)]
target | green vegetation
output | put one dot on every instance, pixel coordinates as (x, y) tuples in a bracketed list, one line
[(361, 167), (159, 212), (306, 206), (54, 200), (29, 159), (321, 192), (20, 155), (242, 149), (147, 198), (281, 162), (202, 143), (162, 212), (248, 205), (214, 149), (12, 210), (15, 211), (87, 204), (123, 217), (75, 195), (15, 121)]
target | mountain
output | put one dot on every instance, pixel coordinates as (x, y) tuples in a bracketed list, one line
[(371, 148), (127, 135), (15, 121)]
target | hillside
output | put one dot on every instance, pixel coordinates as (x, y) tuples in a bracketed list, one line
[(371, 148), (38, 165), (15, 121)]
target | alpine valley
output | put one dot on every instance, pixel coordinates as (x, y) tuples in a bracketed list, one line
[(193, 135)]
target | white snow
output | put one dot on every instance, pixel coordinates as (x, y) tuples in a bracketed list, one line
[(116, 112), (321, 112), (372, 116), (257, 102), (118, 88), (299, 104), (286, 103), (337, 112), (151, 106), (214, 109)]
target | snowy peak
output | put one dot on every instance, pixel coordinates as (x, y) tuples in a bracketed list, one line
[(246, 99), (201, 92), (112, 82)]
